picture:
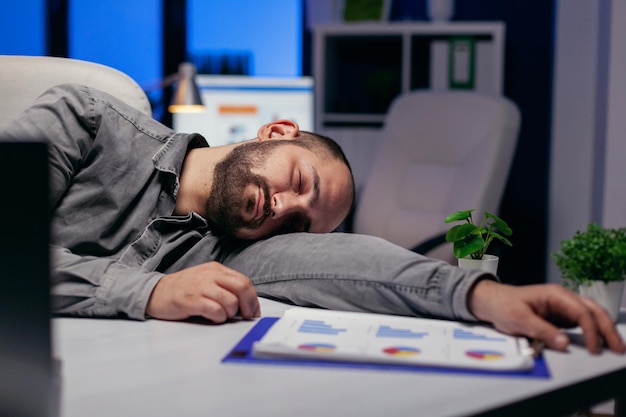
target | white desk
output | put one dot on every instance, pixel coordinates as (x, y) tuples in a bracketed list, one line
[(155, 368)]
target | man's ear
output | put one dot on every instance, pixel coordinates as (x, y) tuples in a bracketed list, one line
[(278, 129)]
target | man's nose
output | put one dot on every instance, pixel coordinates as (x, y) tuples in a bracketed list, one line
[(286, 203)]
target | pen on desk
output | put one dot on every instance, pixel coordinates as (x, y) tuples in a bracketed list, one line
[(537, 346)]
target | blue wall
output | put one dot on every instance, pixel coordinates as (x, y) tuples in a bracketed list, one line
[(270, 29), (22, 28), (122, 34), (127, 34)]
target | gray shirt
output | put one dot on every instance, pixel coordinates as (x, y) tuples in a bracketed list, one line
[(114, 177)]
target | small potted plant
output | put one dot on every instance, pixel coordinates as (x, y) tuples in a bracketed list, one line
[(471, 241), (593, 262)]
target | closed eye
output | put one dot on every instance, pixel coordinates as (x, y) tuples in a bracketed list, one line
[(299, 182)]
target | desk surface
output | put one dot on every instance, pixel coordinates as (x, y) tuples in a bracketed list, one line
[(157, 368)]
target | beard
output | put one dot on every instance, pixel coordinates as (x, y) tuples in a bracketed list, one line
[(227, 201)]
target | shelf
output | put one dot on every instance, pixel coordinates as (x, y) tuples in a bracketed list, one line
[(359, 68), (370, 28), (352, 119)]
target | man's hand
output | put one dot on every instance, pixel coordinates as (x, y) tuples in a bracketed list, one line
[(536, 311), (210, 290)]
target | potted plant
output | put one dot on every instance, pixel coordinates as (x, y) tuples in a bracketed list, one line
[(471, 241), (593, 262)]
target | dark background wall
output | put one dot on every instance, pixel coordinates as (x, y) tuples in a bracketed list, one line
[(528, 82)]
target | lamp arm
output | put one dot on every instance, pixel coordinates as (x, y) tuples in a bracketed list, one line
[(161, 84)]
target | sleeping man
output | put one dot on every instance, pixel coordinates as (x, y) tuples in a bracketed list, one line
[(150, 223)]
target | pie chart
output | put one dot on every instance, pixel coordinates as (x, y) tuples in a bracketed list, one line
[(401, 351), (317, 347), (484, 355)]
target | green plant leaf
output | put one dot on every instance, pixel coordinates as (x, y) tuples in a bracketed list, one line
[(597, 254), (460, 232), (474, 240), (501, 238), (499, 224), (468, 246), (459, 216)]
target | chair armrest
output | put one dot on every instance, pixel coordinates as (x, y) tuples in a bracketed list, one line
[(430, 244)]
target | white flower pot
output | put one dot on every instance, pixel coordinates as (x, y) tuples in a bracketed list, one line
[(489, 263), (608, 295), (440, 10)]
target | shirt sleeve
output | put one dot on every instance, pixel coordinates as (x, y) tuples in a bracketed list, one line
[(346, 271), (89, 286), (66, 117)]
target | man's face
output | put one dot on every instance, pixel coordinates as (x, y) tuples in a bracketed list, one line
[(265, 188)]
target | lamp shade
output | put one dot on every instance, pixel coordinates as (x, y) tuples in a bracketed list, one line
[(186, 94)]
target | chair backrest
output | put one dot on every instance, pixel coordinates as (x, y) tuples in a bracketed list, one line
[(24, 78), (440, 152)]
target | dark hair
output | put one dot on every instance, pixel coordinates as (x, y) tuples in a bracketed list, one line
[(317, 143)]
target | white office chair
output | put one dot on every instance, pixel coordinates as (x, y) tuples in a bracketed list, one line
[(440, 152), (24, 78)]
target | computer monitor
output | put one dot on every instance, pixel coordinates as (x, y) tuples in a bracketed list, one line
[(26, 365), (237, 105)]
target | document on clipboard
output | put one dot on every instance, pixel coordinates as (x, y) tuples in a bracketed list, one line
[(310, 333)]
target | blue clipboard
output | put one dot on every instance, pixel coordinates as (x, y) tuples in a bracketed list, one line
[(242, 353)]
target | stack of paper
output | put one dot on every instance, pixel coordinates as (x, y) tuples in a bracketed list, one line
[(376, 338)]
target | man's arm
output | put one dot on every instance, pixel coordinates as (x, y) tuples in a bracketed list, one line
[(85, 286), (345, 271), (363, 273)]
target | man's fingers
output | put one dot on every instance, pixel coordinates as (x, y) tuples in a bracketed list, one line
[(605, 327), (571, 308), (551, 336), (538, 311), (597, 326), (593, 320), (219, 306), (220, 302), (242, 288), (211, 310), (537, 328)]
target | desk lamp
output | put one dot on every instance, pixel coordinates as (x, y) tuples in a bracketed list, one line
[(186, 94)]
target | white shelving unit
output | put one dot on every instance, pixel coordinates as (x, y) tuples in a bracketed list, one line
[(360, 67)]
